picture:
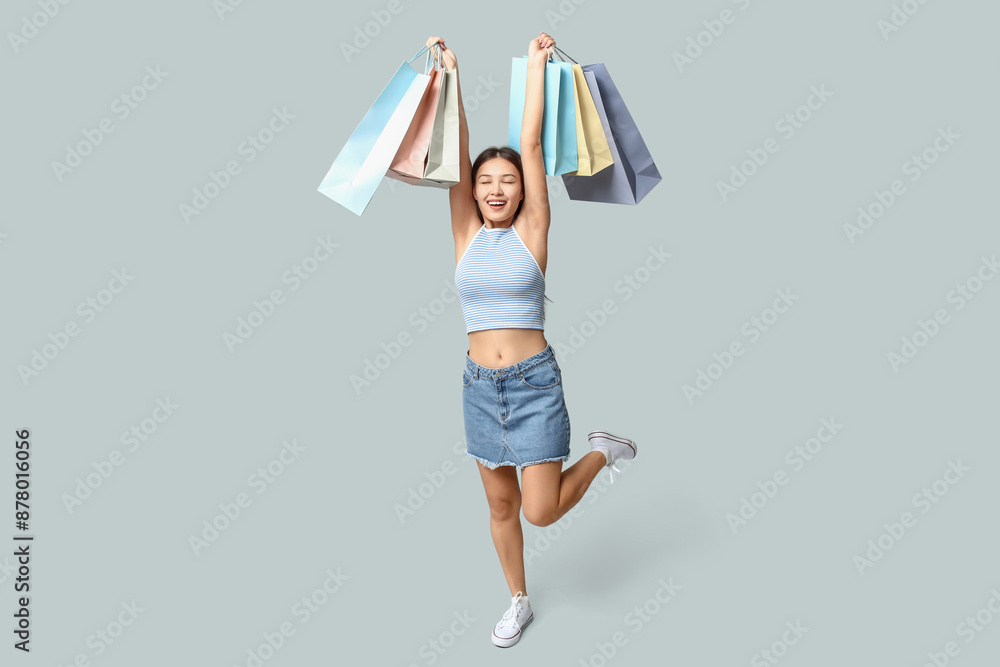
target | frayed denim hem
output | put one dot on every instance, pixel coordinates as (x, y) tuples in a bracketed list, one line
[(556, 458), (494, 466), (489, 464)]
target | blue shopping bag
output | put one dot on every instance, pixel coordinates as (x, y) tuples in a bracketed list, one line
[(633, 173), (368, 154), (558, 137)]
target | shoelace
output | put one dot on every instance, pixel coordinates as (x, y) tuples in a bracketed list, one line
[(612, 466), (510, 616)]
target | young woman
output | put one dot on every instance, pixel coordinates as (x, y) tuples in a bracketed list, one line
[(513, 405)]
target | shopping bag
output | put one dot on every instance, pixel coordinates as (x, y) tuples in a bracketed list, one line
[(634, 173), (410, 161), (364, 159), (443, 166), (591, 141), (558, 135), (566, 145), (610, 185)]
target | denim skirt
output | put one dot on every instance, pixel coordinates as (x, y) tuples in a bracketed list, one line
[(516, 415)]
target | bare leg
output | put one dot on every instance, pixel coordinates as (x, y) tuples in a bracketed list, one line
[(504, 497), (550, 492)]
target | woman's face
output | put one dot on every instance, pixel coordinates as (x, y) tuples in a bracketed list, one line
[(498, 190)]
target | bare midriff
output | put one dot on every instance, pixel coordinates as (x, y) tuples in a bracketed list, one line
[(498, 348)]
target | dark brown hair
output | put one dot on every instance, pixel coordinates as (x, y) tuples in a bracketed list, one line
[(512, 156)]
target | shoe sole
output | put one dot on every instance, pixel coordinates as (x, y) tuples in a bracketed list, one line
[(615, 438), (499, 641)]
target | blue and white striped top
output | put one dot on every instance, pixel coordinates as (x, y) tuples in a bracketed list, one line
[(499, 282)]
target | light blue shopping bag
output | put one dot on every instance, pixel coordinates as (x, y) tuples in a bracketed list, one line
[(367, 155), (559, 141)]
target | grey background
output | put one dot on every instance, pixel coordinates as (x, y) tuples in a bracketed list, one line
[(333, 506)]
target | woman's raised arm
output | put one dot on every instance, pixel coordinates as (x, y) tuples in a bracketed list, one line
[(463, 206), (536, 194)]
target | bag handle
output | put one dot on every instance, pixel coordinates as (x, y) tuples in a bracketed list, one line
[(438, 61), (419, 53), (563, 54), (432, 61)]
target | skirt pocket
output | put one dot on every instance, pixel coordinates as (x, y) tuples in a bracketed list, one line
[(543, 376)]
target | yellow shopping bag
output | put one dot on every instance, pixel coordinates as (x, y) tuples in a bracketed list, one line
[(593, 150)]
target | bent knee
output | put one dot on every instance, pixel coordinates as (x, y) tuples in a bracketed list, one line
[(539, 516)]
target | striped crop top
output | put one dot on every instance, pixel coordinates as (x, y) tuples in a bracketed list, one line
[(499, 282)]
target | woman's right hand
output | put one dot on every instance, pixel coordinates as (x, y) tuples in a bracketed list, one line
[(446, 54)]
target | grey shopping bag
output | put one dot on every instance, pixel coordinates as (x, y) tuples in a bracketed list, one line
[(633, 173)]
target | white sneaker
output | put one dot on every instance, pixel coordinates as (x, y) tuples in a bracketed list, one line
[(508, 631), (620, 448)]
